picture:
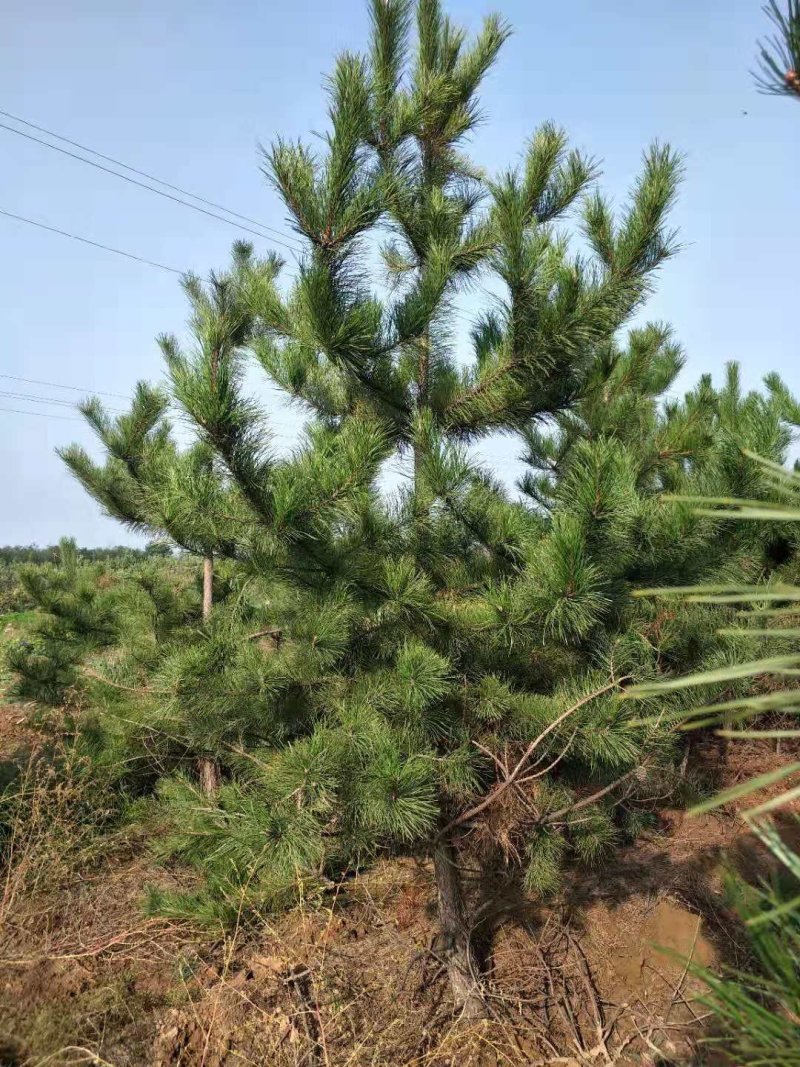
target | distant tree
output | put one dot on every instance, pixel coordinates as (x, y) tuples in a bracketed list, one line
[(159, 549), (76, 616)]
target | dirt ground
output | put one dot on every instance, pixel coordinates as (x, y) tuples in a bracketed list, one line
[(353, 979)]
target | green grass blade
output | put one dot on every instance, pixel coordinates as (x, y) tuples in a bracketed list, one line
[(744, 789), (774, 665)]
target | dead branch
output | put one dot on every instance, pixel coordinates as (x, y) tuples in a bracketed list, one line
[(556, 815), (274, 633), (299, 981), (526, 755), (117, 685)]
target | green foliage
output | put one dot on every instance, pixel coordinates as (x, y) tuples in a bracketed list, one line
[(121, 554), (757, 1009), (44, 669), (779, 55), (78, 617), (544, 861), (14, 596), (371, 665)]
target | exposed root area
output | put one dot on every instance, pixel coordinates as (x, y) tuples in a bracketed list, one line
[(356, 979)]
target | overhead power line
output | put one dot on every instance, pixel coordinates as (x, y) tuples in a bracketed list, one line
[(89, 391), (144, 174), (286, 442), (87, 241), (43, 414), (158, 192), (280, 426), (460, 314), (33, 398), (59, 385)]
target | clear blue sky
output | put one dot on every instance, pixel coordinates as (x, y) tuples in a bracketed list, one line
[(186, 90)]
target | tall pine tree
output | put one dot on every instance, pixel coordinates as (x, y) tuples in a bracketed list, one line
[(401, 671)]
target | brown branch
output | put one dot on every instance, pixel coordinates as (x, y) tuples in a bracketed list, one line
[(274, 633), (503, 786), (552, 764), (116, 685), (591, 799), (594, 1001), (458, 410), (497, 762)]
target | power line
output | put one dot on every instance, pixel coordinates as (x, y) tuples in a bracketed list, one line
[(278, 426), (43, 414), (281, 425), (284, 431), (32, 398), (143, 185), (142, 173), (86, 241), (284, 435), (58, 385)]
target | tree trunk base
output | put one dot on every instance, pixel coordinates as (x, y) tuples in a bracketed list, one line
[(454, 944)]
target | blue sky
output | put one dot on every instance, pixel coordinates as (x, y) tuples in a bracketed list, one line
[(187, 90)]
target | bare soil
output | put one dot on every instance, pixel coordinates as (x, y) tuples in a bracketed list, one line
[(354, 979)]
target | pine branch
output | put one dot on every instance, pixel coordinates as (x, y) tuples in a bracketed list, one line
[(779, 55), (492, 798)]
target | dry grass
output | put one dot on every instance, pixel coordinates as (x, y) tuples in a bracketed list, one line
[(354, 980), (79, 964), (358, 983)]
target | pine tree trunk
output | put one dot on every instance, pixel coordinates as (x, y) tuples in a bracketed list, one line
[(208, 772), (207, 766), (455, 945), (208, 584)]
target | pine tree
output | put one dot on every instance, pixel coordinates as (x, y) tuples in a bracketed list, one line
[(398, 672), (77, 616), (394, 165)]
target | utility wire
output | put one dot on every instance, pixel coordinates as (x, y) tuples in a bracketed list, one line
[(143, 174), (280, 425), (37, 399), (86, 241), (43, 414), (33, 398), (143, 185), (280, 430), (458, 313), (58, 385)]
